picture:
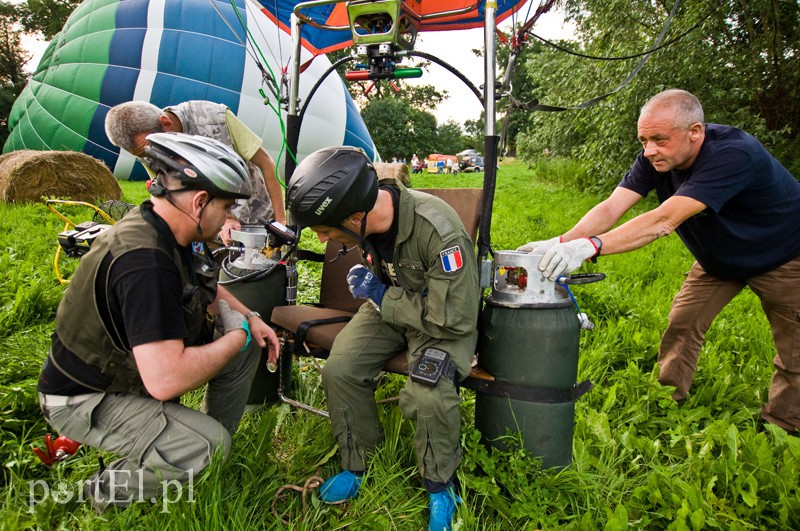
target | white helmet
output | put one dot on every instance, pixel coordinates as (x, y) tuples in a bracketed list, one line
[(199, 162)]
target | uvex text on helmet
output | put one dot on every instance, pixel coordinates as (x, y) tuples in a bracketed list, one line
[(330, 184), (199, 162)]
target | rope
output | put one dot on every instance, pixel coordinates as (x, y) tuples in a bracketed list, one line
[(311, 483), (633, 73), (536, 106)]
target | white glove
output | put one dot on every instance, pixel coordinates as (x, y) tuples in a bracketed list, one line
[(540, 246), (564, 258), (231, 319)]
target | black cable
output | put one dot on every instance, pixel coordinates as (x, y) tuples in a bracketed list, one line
[(452, 70), (625, 57), (423, 55), (551, 108), (316, 86)]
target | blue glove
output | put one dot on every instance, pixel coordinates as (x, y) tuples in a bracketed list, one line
[(364, 285)]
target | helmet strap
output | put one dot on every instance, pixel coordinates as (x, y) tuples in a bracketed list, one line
[(167, 194), (358, 237), (156, 189), (200, 216)]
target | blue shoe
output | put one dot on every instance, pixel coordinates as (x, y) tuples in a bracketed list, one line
[(340, 488), (442, 509)]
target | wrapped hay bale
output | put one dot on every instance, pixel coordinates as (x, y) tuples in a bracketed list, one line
[(396, 170), (27, 176)]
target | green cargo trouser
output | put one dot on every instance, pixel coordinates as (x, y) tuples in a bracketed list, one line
[(162, 441), (357, 357)]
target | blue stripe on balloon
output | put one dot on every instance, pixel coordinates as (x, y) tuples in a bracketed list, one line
[(125, 50), (192, 29), (171, 90), (119, 81), (355, 131), (132, 14), (118, 84)]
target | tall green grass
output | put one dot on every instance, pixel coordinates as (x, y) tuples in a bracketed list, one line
[(641, 460)]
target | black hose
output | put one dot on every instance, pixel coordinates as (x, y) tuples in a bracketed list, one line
[(489, 184), (316, 86), (255, 275), (293, 123), (452, 70)]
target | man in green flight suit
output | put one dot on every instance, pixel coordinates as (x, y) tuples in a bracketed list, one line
[(420, 278)]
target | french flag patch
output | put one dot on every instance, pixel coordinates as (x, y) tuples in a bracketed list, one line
[(452, 259)]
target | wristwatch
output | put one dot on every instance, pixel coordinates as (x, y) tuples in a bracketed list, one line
[(598, 243), (252, 313)]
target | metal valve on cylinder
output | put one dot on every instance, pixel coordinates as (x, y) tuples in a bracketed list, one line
[(256, 253), (518, 281)]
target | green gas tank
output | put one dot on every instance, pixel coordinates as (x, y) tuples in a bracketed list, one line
[(260, 283), (529, 338)]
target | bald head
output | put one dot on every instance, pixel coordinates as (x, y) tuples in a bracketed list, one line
[(684, 107), (671, 130)]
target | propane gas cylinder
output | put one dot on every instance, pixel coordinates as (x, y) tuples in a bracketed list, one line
[(529, 336)]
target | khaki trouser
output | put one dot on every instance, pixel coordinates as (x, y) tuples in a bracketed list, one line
[(357, 357), (160, 441), (702, 297)]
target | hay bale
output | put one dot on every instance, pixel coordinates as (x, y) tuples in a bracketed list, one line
[(396, 170), (27, 176)]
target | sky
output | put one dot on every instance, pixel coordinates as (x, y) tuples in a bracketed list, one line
[(36, 48), (453, 47)]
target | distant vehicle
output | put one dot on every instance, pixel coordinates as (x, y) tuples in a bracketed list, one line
[(437, 163), (469, 153), (471, 164)]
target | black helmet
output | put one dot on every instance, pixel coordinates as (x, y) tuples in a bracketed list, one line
[(329, 185), (199, 162)]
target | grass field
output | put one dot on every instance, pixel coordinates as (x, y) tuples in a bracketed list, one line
[(641, 460)]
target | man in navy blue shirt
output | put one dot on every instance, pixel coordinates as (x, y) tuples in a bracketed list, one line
[(735, 207)]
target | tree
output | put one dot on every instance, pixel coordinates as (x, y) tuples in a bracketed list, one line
[(738, 58), (450, 138), (474, 131), (12, 61), (398, 129), (46, 16)]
